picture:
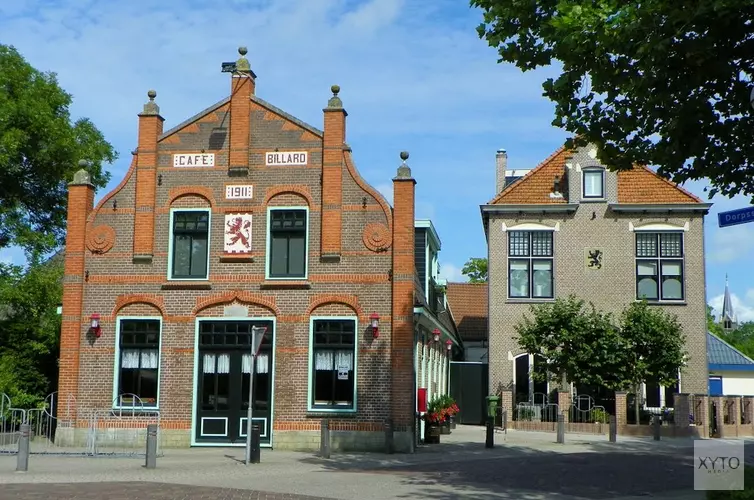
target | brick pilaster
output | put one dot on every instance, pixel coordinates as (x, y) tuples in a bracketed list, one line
[(564, 404), (702, 413), (621, 409), (735, 412), (150, 128), (681, 410), (332, 176), (242, 87), (80, 204), (506, 403), (402, 334), (748, 411), (719, 410)]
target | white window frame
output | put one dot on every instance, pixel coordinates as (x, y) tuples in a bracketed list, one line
[(311, 407), (660, 229), (171, 237), (116, 365), (592, 170), (529, 228), (267, 261)]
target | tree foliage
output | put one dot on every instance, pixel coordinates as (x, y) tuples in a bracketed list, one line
[(476, 269), (652, 82), (742, 338), (29, 330), (585, 346), (40, 147)]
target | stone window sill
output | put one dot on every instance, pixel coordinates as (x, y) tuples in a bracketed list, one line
[(331, 414), (270, 284), (186, 285), (236, 258)]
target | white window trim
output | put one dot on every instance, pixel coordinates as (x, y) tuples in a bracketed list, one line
[(310, 394), (170, 242), (528, 227), (653, 227), (116, 365), (269, 244), (585, 170), (659, 259)]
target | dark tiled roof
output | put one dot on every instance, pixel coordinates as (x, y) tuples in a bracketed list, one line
[(720, 352), (468, 303)]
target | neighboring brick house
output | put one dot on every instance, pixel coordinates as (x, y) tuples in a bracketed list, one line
[(244, 216), (570, 226), (469, 304)]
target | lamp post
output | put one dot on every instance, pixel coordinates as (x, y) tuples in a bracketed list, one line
[(257, 334)]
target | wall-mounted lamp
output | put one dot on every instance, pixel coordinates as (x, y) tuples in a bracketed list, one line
[(374, 322), (94, 325), (449, 345), (436, 334)]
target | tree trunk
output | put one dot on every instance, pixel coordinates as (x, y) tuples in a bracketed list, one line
[(637, 388)]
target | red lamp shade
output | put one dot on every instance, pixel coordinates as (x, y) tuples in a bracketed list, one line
[(436, 334), (374, 322), (449, 345), (94, 324)]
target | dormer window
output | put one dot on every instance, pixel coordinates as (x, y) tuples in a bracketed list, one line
[(593, 183)]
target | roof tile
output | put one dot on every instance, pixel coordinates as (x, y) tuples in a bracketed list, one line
[(468, 301)]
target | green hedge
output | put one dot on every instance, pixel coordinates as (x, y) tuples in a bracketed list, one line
[(746, 494)]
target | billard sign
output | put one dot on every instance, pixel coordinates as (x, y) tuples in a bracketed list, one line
[(283, 158), (194, 160)]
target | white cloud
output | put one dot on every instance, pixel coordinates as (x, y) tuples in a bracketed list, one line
[(744, 309), (451, 273)]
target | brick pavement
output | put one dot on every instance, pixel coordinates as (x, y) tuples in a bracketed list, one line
[(136, 491)]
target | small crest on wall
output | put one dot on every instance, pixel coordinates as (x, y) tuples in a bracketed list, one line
[(593, 258), (238, 233)]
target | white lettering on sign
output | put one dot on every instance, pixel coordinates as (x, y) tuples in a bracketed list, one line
[(280, 158), (239, 192), (194, 160)]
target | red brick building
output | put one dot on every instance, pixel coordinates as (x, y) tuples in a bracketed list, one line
[(244, 216)]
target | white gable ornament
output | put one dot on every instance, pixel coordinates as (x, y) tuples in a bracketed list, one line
[(238, 233)]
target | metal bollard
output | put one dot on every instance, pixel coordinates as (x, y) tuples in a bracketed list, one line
[(388, 435), (256, 449), (656, 427), (561, 429), (613, 429), (490, 440), (151, 461), (324, 445), (22, 464)]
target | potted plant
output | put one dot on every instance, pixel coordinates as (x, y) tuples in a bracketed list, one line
[(432, 427)]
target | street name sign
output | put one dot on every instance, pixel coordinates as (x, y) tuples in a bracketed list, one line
[(735, 217)]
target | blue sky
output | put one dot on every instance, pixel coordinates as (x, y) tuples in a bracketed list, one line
[(414, 76)]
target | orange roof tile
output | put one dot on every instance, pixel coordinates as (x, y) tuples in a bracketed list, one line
[(637, 186), (535, 187), (468, 303), (643, 185)]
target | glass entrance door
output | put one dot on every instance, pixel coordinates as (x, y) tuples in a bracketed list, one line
[(223, 375)]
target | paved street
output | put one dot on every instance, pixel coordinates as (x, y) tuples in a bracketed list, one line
[(523, 465)]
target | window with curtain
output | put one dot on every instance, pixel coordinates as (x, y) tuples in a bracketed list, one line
[(138, 371), (530, 262), (333, 360), (659, 266), (593, 183), (287, 243), (190, 236)]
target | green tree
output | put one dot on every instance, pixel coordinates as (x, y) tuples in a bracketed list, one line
[(652, 345), (652, 82), (40, 147), (476, 269), (712, 324), (29, 330), (576, 343)]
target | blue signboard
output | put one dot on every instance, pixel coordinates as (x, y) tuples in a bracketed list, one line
[(734, 217)]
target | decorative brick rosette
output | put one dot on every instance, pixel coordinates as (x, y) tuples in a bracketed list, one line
[(376, 237), (100, 239)]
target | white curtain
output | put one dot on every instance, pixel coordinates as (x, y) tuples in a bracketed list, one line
[(223, 363), (333, 360), (323, 360), (344, 359), (149, 359), (208, 363), (130, 358), (263, 363)]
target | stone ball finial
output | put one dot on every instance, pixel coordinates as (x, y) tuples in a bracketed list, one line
[(335, 89), (243, 51), (83, 163), (404, 155), (152, 94)]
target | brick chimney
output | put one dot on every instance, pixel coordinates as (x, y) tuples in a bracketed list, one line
[(242, 86), (402, 333), (332, 176), (150, 129), (501, 163), (80, 204)]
